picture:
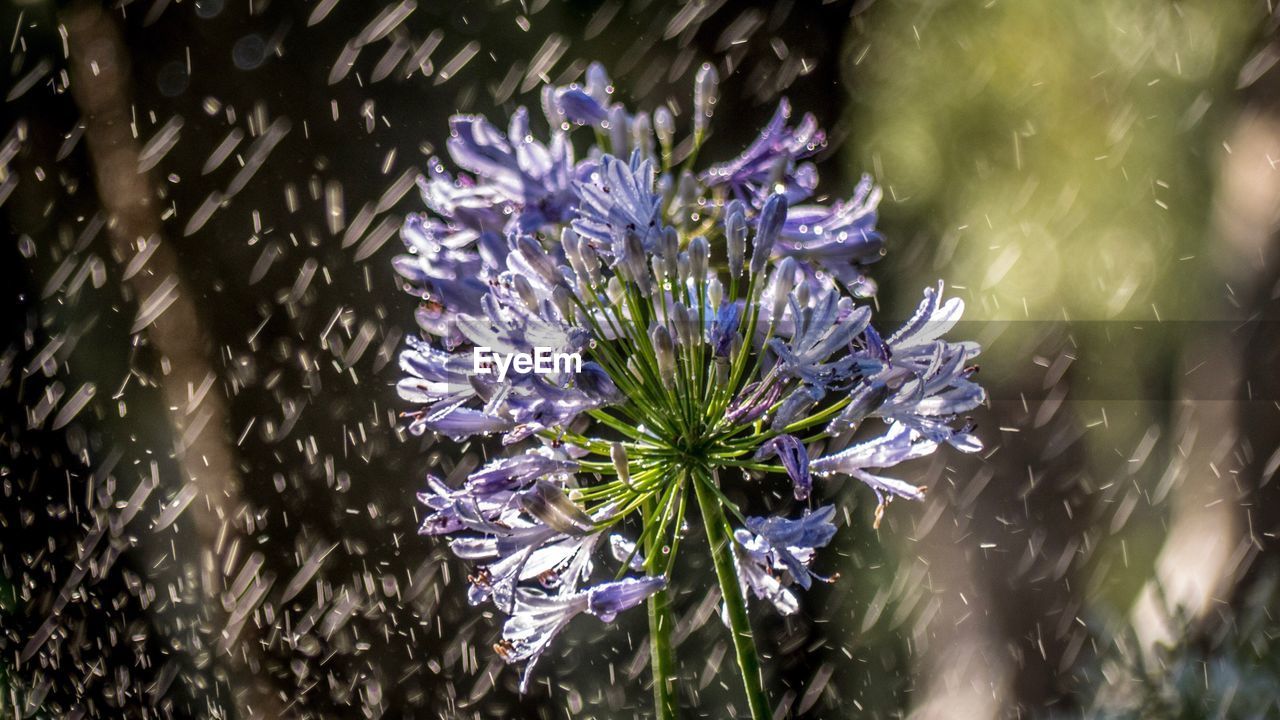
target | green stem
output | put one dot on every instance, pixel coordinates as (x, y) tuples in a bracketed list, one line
[(744, 644), (660, 621), (660, 657)]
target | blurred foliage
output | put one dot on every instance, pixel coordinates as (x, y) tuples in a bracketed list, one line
[(1229, 669), (1057, 162), (1060, 152)]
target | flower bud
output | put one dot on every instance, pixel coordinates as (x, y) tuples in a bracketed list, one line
[(524, 289), (724, 327), (771, 218), (659, 270), (664, 351), (614, 291), (722, 371), (705, 88), (664, 126), (579, 107), (562, 298), (698, 255), (570, 242), (598, 85), (538, 260), (750, 405), (608, 599), (683, 324), (683, 269), (551, 107), (784, 278), (669, 248), (642, 135), (687, 191), (551, 505), (618, 454), (633, 265), (590, 261), (715, 294), (796, 403), (802, 295), (618, 130), (735, 233), (693, 328)]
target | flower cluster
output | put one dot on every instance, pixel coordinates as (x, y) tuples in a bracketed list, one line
[(722, 320)]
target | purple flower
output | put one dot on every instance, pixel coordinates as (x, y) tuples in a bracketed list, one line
[(543, 536), (722, 332), (795, 405), (540, 404), (454, 511), (839, 238), (519, 184), (900, 444), (447, 268), (606, 600), (772, 217), (589, 103), (626, 552), (931, 320), (432, 376), (511, 473), (458, 423), (539, 617), (696, 354), (580, 107), (775, 552), (617, 200), (930, 400), (817, 351), (922, 381), (533, 179), (752, 403), (518, 314), (794, 459), (770, 162)]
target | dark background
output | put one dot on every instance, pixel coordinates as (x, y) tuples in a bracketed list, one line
[(1097, 181)]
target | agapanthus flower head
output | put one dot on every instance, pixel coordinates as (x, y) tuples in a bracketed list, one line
[(723, 337)]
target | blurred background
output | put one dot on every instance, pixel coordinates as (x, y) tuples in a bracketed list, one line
[(206, 500)]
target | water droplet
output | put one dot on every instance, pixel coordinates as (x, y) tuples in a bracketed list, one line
[(173, 79), (249, 52)]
